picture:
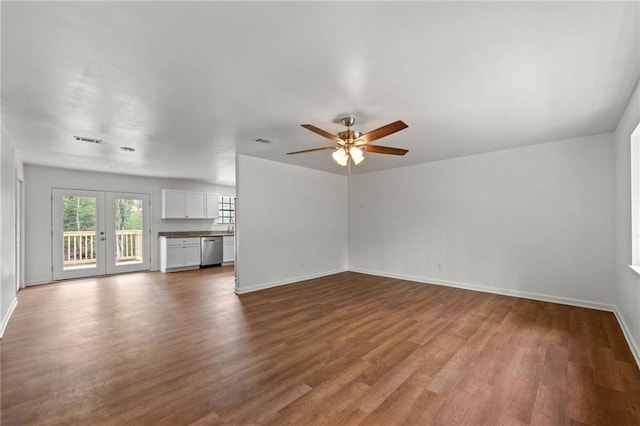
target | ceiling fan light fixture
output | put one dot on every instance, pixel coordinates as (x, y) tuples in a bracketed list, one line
[(356, 155), (341, 156)]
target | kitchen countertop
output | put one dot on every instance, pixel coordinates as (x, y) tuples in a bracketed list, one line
[(186, 234)]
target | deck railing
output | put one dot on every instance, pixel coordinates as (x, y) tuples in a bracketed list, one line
[(80, 247)]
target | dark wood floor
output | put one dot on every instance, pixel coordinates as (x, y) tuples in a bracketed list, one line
[(182, 348)]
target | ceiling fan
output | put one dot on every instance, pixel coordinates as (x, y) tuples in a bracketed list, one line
[(350, 144)]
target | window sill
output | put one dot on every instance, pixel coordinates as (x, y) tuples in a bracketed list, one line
[(635, 268)]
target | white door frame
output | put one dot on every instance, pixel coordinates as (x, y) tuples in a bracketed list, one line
[(19, 233)]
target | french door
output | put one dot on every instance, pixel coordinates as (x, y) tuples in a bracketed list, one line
[(98, 233)]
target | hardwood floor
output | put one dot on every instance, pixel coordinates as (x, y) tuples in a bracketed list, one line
[(182, 348)]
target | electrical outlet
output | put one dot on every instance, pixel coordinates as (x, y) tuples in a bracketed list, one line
[(440, 267)]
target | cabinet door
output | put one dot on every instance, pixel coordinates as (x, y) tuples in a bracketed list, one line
[(196, 205), (173, 204), (175, 256), (228, 249), (212, 206), (191, 255)]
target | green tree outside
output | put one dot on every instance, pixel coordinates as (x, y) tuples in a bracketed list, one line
[(79, 214), (128, 214)]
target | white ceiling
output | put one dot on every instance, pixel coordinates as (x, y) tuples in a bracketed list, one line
[(189, 85)]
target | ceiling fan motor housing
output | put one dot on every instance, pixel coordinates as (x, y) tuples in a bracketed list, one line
[(349, 135)]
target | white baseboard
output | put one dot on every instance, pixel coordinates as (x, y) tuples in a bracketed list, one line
[(635, 349), (493, 290), (36, 282), (181, 268), (5, 320), (289, 281)]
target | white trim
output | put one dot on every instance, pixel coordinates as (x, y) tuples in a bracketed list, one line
[(493, 290), (634, 145), (635, 269), (271, 284), (635, 349), (5, 320), (181, 268), (37, 282)]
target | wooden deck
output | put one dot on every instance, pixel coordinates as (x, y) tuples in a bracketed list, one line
[(182, 348)]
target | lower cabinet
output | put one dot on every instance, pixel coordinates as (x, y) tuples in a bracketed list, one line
[(228, 249), (179, 254)]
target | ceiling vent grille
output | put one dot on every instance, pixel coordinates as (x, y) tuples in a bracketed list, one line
[(263, 140), (89, 140)]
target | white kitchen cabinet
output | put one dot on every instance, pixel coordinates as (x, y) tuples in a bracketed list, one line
[(178, 254), (192, 254), (228, 249), (195, 205), (189, 205), (173, 204), (212, 206)]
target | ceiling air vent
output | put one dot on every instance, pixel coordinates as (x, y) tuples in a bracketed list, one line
[(90, 140), (263, 140)]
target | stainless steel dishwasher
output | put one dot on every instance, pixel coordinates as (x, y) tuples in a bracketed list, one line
[(210, 251)]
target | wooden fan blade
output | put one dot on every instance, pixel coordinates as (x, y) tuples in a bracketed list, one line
[(321, 132), (383, 131), (312, 149), (383, 149)]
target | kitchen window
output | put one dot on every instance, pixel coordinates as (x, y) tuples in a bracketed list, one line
[(226, 210)]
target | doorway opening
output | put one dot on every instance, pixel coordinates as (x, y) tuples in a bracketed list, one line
[(19, 232)]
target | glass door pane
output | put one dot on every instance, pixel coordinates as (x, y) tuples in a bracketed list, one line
[(128, 232), (128, 226), (78, 238), (79, 232)]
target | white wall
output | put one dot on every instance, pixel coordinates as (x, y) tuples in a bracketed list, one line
[(291, 223), (39, 181), (627, 282), (535, 221), (10, 168)]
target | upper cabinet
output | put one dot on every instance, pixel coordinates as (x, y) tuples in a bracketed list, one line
[(212, 206), (195, 205), (189, 205), (173, 204)]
